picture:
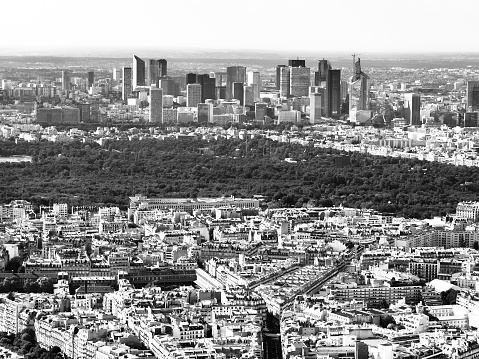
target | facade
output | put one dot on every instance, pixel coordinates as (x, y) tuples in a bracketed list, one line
[(333, 93), (299, 81), (254, 80), (162, 68), (85, 112), (91, 78), (139, 72), (278, 76), (152, 72), (127, 85), (170, 115), (156, 105), (193, 95), (375, 295), (205, 112), (239, 92), (321, 76), (472, 96), (468, 210), (170, 87), (65, 80), (248, 98), (315, 107), (191, 204), (284, 82), (234, 74), (208, 89), (412, 108)]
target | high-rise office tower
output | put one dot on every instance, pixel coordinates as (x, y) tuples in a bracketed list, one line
[(205, 112), (278, 76), (208, 89), (169, 86), (358, 89), (126, 86), (323, 69), (333, 93), (139, 72), (472, 93), (412, 108), (299, 81), (220, 78), (249, 96), (91, 78), (315, 106), (254, 80), (284, 82), (65, 80), (156, 105), (116, 74), (238, 92), (234, 74), (344, 90), (151, 72), (220, 92), (193, 95), (191, 78), (297, 63), (162, 68)]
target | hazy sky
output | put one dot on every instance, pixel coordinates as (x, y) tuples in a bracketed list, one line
[(305, 26)]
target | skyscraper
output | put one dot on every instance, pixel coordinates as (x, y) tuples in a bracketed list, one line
[(91, 78), (472, 92), (169, 86), (138, 72), (207, 87), (116, 74), (323, 69), (162, 68), (65, 80), (126, 86), (412, 108), (151, 72), (278, 76), (193, 95), (333, 93), (156, 105), (284, 82), (249, 96), (358, 89), (191, 78), (297, 63), (238, 92), (234, 74), (315, 106), (254, 80), (299, 80)]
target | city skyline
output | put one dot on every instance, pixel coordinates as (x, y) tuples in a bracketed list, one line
[(254, 35)]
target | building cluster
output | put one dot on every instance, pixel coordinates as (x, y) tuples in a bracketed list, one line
[(203, 277), (146, 92)]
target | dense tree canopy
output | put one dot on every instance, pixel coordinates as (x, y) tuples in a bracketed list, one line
[(82, 174)]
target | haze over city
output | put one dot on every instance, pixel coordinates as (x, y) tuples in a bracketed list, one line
[(305, 27)]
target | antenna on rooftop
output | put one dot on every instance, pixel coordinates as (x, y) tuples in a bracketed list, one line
[(354, 58)]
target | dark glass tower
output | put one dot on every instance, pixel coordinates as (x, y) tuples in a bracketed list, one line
[(139, 70)]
